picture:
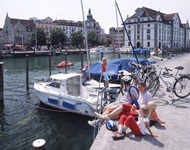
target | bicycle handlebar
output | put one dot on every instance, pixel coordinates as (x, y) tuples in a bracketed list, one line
[(132, 63)]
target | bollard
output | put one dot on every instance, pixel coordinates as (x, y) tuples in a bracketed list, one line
[(102, 55), (145, 53), (27, 82), (169, 57), (65, 62), (39, 144), (1, 81), (49, 64), (81, 58), (119, 55)]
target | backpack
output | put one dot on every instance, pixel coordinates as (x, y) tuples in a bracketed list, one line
[(134, 99)]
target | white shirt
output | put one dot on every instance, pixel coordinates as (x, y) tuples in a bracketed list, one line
[(141, 122), (126, 98), (144, 98)]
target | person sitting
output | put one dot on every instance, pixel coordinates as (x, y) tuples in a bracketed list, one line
[(130, 93), (138, 128), (128, 109), (153, 115)]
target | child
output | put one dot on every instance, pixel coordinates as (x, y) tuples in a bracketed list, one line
[(138, 128), (153, 115), (103, 71)]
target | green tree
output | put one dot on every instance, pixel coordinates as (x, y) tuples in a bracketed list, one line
[(41, 37), (77, 39), (58, 37), (92, 38), (108, 42)]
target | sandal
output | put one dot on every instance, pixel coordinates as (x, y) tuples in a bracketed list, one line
[(118, 135)]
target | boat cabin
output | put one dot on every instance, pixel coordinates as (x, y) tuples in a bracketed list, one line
[(69, 84)]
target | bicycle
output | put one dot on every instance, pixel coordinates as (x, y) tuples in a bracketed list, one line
[(142, 73), (180, 85)]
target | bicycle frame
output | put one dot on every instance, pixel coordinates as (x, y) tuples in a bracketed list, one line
[(168, 84)]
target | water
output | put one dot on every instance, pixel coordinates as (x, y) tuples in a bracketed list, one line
[(23, 119)]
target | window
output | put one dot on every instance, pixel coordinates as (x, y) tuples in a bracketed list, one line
[(73, 86), (129, 26), (138, 37), (138, 26), (148, 44), (148, 31), (148, 37), (129, 31), (55, 83), (148, 25), (138, 31)]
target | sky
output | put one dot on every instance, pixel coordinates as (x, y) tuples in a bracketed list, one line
[(103, 11)]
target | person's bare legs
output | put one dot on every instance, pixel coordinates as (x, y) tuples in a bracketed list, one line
[(115, 113), (110, 109)]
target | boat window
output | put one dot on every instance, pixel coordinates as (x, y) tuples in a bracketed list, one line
[(55, 83), (73, 86)]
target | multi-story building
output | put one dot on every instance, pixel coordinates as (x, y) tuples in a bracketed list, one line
[(70, 27), (48, 25), (17, 31), (117, 36), (1, 38), (154, 29)]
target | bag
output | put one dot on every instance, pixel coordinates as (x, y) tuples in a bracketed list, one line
[(134, 99)]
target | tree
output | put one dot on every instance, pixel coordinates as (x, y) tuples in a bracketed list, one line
[(41, 37), (58, 37), (77, 39), (92, 38)]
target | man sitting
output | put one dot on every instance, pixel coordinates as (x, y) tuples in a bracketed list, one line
[(130, 94)]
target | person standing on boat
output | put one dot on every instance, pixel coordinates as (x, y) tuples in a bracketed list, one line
[(103, 71)]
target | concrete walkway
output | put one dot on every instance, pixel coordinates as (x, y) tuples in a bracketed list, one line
[(176, 135)]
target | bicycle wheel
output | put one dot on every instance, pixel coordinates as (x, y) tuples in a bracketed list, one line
[(149, 78), (182, 87), (154, 86)]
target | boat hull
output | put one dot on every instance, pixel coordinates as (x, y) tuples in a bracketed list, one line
[(67, 104)]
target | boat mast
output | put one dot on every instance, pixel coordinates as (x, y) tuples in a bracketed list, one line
[(86, 42), (126, 32), (117, 27)]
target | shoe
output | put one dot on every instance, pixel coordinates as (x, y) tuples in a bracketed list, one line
[(94, 123), (118, 135), (104, 117)]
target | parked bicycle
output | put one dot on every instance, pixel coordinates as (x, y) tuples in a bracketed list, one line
[(142, 73), (180, 85)]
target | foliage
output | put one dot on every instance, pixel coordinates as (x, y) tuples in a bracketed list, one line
[(41, 37), (77, 39), (92, 39), (58, 37)]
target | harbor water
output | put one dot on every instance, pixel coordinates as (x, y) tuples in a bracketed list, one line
[(23, 119)]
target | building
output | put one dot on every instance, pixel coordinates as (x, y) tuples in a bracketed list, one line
[(48, 25), (154, 29), (1, 38), (17, 31), (117, 36)]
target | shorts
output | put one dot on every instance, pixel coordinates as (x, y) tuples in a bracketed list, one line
[(106, 78), (127, 110), (151, 123)]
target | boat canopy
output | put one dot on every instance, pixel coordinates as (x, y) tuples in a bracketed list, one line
[(114, 66)]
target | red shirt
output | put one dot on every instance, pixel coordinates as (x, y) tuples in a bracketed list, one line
[(103, 67)]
